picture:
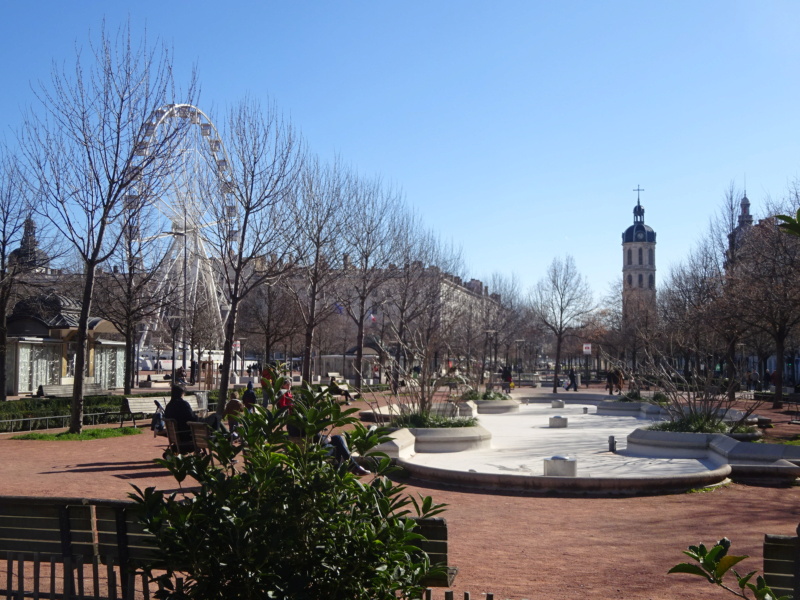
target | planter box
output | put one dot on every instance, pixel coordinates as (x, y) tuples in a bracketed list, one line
[(496, 407)]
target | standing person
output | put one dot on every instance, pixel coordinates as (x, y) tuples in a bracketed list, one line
[(756, 383), (285, 403), (266, 382), (249, 397), (619, 380), (507, 379), (610, 382), (767, 380), (573, 380), (748, 380)]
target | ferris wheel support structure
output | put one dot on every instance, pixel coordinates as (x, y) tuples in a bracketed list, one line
[(200, 178)]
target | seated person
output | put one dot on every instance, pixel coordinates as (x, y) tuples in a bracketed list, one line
[(179, 409), (285, 403), (335, 390), (233, 409), (337, 447)]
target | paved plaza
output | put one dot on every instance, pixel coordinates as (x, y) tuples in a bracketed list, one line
[(522, 441)]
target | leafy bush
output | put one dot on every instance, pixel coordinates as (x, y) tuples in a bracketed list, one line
[(692, 424), (713, 565), (473, 394), (423, 420), (285, 521), (660, 398), (38, 409)]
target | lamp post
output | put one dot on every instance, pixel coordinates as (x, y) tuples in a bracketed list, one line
[(519, 369)]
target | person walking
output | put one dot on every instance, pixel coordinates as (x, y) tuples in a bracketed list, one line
[(573, 380)]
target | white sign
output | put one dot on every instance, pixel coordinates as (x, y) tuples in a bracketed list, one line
[(587, 348), (237, 345)]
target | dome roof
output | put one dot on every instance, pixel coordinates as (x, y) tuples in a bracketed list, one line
[(639, 232)]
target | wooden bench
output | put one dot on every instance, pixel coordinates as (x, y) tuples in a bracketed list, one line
[(65, 391), (101, 547), (146, 406), (782, 563), (71, 548), (435, 546)]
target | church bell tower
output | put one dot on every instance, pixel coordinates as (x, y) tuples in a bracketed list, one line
[(638, 264)]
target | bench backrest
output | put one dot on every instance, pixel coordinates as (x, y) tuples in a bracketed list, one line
[(782, 564), (435, 546), (200, 434)]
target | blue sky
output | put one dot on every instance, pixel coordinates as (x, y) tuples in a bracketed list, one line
[(518, 129)]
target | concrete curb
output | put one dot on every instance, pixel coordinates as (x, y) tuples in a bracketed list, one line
[(569, 485)]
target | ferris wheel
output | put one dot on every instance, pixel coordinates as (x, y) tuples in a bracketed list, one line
[(197, 211)]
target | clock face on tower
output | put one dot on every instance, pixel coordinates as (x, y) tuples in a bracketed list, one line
[(640, 235)]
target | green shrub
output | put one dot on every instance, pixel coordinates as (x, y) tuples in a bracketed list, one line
[(660, 398), (692, 424), (713, 565), (471, 394), (285, 521), (423, 420)]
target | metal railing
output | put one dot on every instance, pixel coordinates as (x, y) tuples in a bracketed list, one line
[(88, 419)]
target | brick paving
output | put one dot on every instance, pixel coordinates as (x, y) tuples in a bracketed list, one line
[(513, 545)]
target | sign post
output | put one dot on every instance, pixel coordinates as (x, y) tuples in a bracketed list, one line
[(587, 352)]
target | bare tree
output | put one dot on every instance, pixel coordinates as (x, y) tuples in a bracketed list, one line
[(130, 293), (560, 301), (20, 254), (251, 231), (88, 150), (319, 239), (767, 286), (371, 237), (269, 316)]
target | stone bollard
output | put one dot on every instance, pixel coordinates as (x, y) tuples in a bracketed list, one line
[(558, 421), (557, 404), (560, 466)]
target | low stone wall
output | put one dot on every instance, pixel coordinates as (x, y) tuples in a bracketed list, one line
[(451, 439), (497, 407), (400, 446), (750, 463), (570, 485)]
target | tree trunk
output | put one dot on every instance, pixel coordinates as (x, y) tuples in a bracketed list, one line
[(309, 340), (129, 358), (225, 373), (559, 339), (76, 413), (777, 375)]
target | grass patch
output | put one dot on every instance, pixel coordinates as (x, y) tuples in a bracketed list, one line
[(86, 434), (795, 441)]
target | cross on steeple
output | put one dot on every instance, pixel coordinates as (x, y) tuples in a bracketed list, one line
[(637, 190)]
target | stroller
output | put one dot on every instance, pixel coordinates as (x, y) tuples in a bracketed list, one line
[(157, 424)]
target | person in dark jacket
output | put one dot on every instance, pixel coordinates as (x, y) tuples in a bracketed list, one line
[(179, 409)]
